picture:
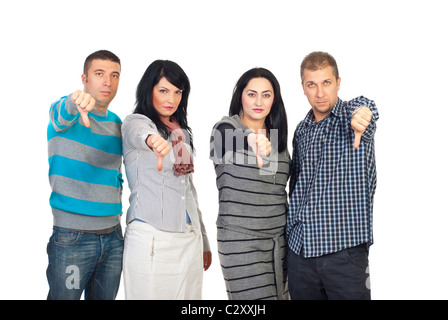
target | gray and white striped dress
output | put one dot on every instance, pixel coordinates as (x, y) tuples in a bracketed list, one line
[(252, 215)]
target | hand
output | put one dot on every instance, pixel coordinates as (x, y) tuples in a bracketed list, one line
[(207, 260), (360, 122), (261, 146), (160, 146), (85, 103)]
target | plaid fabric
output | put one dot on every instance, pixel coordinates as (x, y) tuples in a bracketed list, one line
[(332, 183)]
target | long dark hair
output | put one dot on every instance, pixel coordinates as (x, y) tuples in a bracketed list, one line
[(177, 77), (276, 119)]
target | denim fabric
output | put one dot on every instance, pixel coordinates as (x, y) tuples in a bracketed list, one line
[(79, 261)]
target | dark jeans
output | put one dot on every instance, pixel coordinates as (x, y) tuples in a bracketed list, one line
[(79, 261), (343, 275)]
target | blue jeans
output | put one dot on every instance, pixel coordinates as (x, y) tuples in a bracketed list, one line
[(79, 261), (343, 275)]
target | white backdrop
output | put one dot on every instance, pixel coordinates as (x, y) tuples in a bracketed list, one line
[(393, 52)]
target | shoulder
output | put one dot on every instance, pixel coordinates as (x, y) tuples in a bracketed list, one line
[(112, 116), (229, 122), (136, 118), (138, 124), (308, 119)]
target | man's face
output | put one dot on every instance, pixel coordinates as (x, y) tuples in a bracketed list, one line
[(321, 88), (101, 82)]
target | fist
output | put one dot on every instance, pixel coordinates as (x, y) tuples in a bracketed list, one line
[(160, 146), (360, 122), (261, 145), (85, 103)]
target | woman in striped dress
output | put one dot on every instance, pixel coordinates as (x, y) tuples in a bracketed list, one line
[(251, 159)]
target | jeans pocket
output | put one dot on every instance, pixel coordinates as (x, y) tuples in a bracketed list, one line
[(119, 234), (65, 237), (358, 256)]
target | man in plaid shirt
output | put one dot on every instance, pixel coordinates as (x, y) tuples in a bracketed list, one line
[(329, 221)]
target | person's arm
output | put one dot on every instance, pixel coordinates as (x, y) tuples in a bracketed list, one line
[(140, 133), (226, 140), (293, 173), (207, 254), (67, 110), (364, 115), (260, 145), (159, 146)]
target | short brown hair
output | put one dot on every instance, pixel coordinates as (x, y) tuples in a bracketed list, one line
[(102, 55), (318, 60)]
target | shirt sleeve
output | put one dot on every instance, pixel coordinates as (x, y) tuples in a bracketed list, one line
[(63, 113), (364, 102), (227, 139), (192, 189), (136, 129), (294, 168)]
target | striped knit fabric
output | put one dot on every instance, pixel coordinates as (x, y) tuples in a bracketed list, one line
[(85, 163), (251, 222)]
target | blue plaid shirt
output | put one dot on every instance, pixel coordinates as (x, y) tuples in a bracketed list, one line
[(332, 183)]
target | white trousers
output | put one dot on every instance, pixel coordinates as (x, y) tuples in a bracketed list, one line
[(162, 265)]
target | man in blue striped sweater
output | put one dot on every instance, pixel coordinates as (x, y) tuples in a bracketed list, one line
[(84, 154)]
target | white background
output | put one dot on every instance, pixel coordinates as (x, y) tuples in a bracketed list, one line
[(393, 52)]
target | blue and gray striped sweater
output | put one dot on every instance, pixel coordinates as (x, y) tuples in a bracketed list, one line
[(85, 163)]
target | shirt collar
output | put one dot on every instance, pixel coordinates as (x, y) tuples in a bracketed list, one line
[(337, 109)]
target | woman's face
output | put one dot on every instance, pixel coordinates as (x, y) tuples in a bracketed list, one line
[(166, 98), (257, 99)]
